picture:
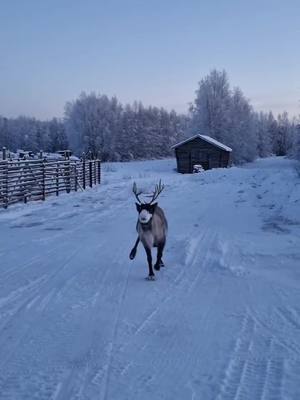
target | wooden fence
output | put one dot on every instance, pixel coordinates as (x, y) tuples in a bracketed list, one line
[(26, 180)]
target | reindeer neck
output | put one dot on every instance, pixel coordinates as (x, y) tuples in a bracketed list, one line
[(147, 226)]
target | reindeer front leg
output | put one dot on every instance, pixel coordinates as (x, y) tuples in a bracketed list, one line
[(133, 251), (149, 259)]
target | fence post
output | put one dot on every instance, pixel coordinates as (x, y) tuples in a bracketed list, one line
[(5, 186), (3, 153), (83, 170), (68, 176), (90, 173), (24, 184), (57, 179), (76, 177), (99, 171), (44, 181)]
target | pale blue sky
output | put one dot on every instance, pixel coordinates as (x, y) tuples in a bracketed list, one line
[(153, 51)]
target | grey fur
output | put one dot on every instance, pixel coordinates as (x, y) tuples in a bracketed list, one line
[(155, 231), (152, 234)]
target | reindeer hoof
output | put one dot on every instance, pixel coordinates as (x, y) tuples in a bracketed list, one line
[(157, 267), (150, 278), (132, 254)]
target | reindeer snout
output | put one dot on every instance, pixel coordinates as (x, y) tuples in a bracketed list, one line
[(144, 217)]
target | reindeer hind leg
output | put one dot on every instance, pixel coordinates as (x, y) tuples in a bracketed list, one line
[(159, 262)]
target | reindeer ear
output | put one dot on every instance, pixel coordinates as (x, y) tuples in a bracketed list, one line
[(138, 207)]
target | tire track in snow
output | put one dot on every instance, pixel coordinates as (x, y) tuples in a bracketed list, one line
[(10, 383), (75, 379), (270, 325), (179, 283), (14, 360), (172, 361), (105, 209), (289, 316), (37, 285), (148, 319), (55, 381), (80, 378), (19, 293), (105, 390), (200, 267), (76, 384), (272, 388), (6, 274), (37, 259), (255, 369), (235, 372), (196, 262)]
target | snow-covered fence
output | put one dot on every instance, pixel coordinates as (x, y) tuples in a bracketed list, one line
[(25, 180)]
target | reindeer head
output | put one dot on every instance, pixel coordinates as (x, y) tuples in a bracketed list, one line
[(147, 209)]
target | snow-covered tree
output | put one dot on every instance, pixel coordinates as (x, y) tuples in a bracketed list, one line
[(297, 141), (57, 135), (98, 123), (225, 115), (212, 104), (264, 144), (283, 139), (91, 122), (5, 138), (241, 134)]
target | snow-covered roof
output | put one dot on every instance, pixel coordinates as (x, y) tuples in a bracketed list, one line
[(207, 139)]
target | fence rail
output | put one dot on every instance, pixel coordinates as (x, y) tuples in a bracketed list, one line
[(26, 180)]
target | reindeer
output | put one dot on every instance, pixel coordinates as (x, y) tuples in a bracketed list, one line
[(152, 227)]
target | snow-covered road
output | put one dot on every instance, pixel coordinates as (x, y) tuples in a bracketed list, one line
[(222, 320)]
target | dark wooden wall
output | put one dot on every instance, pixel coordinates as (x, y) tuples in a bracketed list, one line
[(199, 151)]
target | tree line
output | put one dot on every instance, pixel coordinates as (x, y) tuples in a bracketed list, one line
[(122, 133), (30, 134), (97, 123), (225, 114)]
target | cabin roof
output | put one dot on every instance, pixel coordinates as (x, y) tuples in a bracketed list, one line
[(208, 139)]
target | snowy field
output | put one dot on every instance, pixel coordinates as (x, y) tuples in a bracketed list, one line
[(221, 322)]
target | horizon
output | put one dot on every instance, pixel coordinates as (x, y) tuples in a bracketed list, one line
[(154, 53)]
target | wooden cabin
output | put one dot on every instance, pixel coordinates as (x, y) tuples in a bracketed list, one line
[(201, 150)]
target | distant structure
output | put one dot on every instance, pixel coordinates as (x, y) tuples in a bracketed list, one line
[(201, 150)]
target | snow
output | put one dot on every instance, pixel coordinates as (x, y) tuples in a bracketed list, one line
[(222, 321), (207, 139)]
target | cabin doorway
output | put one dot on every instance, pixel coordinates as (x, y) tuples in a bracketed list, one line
[(199, 157)]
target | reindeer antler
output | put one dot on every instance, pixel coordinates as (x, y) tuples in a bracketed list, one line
[(136, 193), (157, 191)]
